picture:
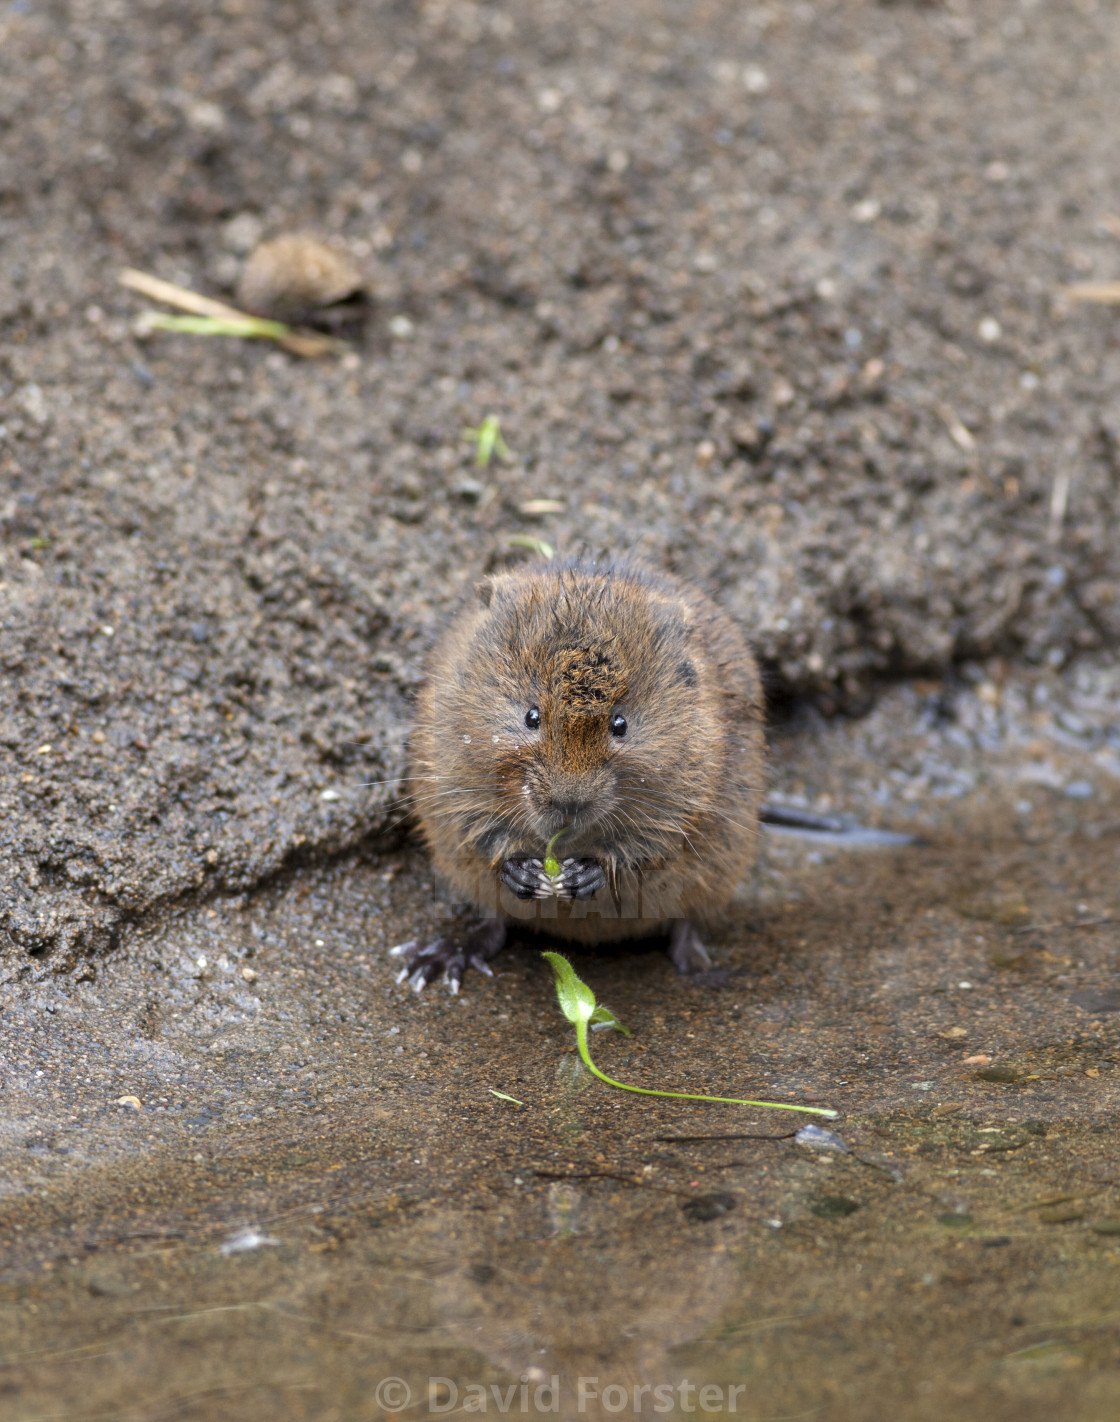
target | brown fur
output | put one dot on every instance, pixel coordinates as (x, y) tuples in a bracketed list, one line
[(670, 810)]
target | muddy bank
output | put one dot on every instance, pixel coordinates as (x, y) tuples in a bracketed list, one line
[(767, 294), (246, 1174)]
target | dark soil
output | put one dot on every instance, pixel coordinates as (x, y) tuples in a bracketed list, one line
[(767, 293)]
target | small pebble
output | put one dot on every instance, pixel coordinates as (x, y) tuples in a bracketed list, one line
[(708, 1207), (1061, 1214), (244, 1240), (296, 272), (835, 1207), (819, 1139)]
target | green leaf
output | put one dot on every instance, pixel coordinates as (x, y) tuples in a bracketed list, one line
[(537, 545), (603, 1018), (503, 1097), (249, 326), (488, 441), (577, 1001)]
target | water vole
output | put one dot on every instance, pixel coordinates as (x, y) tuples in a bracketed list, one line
[(612, 708)]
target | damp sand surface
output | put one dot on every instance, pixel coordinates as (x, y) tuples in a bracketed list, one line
[(247, 1175)]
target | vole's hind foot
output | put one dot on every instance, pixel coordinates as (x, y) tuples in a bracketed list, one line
[(451, 954), (578, 879), (687, 950)]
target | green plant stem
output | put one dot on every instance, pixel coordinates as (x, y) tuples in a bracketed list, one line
[(501, 1095), (538, 545), (585, 1055), (551, 863), (577, 1003), (249, 327)]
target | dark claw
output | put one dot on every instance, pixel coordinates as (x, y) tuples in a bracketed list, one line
[(578, 879), (524, 877), (582, 878), (450, 954)]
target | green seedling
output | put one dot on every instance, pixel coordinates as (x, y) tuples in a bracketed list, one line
[(503, 1097), (253, 327), (215, 318), (537, 545), (550, 861), (577, 1002), (487, 440), (247, 327)]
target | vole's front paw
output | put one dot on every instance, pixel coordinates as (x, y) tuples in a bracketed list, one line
[(578, 879), (581, 878), (451, 954), (526, 877)]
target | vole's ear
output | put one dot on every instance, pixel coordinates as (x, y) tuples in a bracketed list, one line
[(484, 591)]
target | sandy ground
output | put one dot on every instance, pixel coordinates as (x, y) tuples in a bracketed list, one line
[(770, 294)]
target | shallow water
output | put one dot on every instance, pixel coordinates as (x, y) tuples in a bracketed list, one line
[(247, 1175)]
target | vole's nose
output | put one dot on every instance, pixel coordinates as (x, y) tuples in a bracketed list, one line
[(571, 809)]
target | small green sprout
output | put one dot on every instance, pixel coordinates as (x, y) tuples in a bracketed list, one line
[(251, 327), (215, 318), (487, 440), (537, 545), (551, 863), (577, 1002), (503, 1097)]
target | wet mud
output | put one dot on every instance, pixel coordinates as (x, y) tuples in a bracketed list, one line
[(247, 1174)]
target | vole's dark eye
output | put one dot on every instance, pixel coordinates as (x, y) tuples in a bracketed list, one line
[(618, 724), (533, 718)]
